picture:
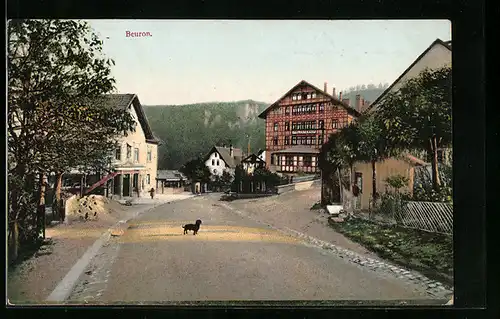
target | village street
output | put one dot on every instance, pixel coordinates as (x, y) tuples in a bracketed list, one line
[(233, 257)]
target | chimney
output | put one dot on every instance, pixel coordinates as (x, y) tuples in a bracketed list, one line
[(333, 93), (326, 88), (231, 150), (358, 102), (346, 101), (340, 95)]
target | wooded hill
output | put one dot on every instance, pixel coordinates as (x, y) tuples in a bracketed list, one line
[(187, 131)]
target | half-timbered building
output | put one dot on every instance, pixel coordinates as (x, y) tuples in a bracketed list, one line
[(298, 124)]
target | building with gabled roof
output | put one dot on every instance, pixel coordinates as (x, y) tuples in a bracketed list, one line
[(436, 56), (135, 160), (221, 158), (299, 123)]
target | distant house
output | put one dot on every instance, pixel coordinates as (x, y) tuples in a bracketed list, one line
[(135, 158), (220, 159), (404, 165), (436, 56), (262, 155), (251, 162), (168, 181)]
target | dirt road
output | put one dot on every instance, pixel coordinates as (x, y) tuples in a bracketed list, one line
[(231, 258)]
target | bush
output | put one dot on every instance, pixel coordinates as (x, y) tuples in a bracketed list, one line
[(425, 193)]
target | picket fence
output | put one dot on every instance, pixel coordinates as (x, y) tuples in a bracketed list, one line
[(430, 216)]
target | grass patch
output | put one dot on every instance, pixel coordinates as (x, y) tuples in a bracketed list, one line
[(316, 206), (429, 253)]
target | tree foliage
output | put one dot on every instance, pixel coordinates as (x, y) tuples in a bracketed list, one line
[(196, 171), (56, 115), (188, 130), (418, 115)]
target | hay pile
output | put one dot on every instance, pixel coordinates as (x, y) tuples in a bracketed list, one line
[(93, 208)]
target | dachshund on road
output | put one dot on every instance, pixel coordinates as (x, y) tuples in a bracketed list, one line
[(194, 227)]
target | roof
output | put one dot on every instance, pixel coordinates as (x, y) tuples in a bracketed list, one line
[(173, 175), (414, 160), (302, 83), (252, 158), (123, 101), (298, 149), (259, 153), (224, 153), (446, 44)]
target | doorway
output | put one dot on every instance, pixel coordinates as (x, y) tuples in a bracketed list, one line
[(126, 185)]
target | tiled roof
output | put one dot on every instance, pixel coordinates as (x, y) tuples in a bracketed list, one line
[(123, 101), (120, 101), (169, 175), (374, 104), (225, 155), (305, 83), (414, 160), (252, 158)]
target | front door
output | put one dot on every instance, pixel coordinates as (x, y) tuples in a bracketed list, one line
[(126, 185)]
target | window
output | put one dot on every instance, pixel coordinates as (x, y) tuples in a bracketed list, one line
[(294, 140), (215, 155), (309, 96), (129, 151), (287, 140), (307, 161), (289, 160), (335, 123), (287, 126), (287, 110), (149, 156), (272, 159), (118, 153), (322, 108), (213, 162), (276, 127), (294, 97), (299, 96), (314, 95), (313, 140), (148, 179), (320, 140), (136, 154), (321, 124), (275, 140), (217, 162)]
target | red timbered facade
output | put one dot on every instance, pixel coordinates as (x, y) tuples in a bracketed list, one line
[(298, 124)]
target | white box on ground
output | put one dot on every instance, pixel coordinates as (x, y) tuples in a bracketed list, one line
[(334, 209)]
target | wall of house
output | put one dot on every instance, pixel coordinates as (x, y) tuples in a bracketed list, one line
[(437, 57), (137, 140), (387, 168), (218, 166), (151, 166)]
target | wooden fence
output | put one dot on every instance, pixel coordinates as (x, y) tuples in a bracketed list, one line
[(430, 216)]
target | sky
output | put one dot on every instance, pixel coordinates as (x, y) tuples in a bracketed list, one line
[(194, 61)]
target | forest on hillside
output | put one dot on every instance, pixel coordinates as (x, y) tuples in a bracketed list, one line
[(369, 92), (188, 131)]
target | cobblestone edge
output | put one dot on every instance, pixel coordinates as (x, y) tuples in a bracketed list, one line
[(432, 287)]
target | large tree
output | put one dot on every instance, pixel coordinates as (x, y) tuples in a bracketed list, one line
[(57, 76), (418, 115), (196, 171), (373, 146)]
